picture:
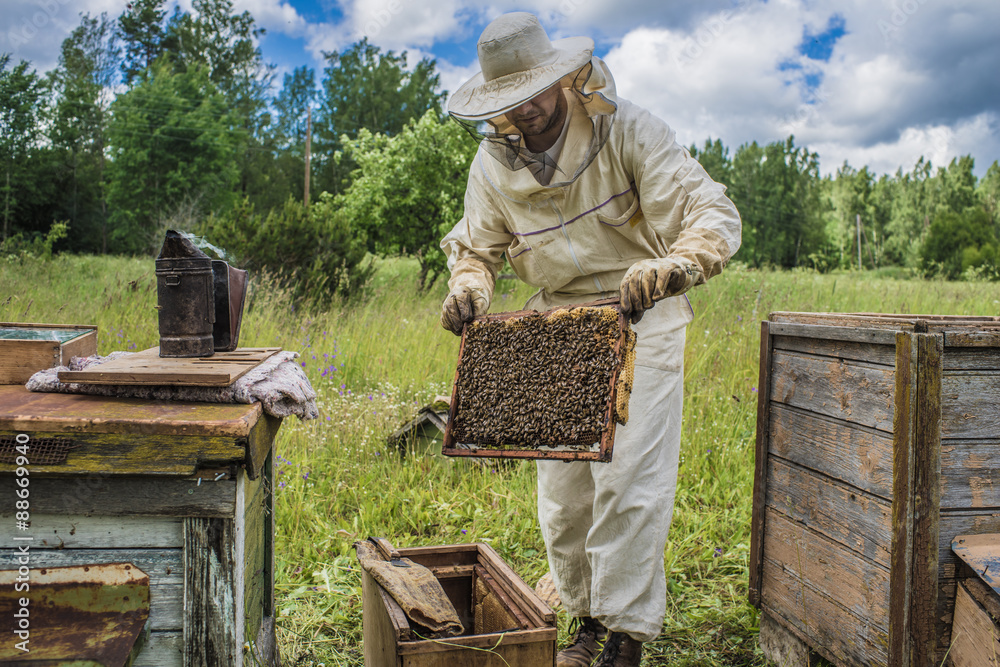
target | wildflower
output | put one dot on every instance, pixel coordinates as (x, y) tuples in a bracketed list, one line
[(753, 389), (463, 531), (718, 552), (305, 476), (281, 485)]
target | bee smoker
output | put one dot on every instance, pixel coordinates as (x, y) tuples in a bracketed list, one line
[(199, 300)]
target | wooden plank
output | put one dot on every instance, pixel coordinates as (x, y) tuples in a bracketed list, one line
[(107, 496), (857, 455), (131, 454), (852, 392), (149, 368), (56, 531), (162, 649), (972, 358), (22, 411), (827, 626), (210, 630), (859, 521), (164, 567), (760, 481), (260, 443), (20, 358), (254, 583), (975, 636), (379, 632), (810, 558), (957, 338), (925, 631), (970, 474), (969, 403), (903, 458), (832, 332), (536, 609), (981, 553), (950, 323), (884, 354)]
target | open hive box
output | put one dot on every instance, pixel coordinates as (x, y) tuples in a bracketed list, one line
[(27, 348), (546, 385), (505, 621)]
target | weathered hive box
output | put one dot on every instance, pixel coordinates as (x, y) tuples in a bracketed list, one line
[(975, 630), (182, 491), (28, 348), (878, 442), (505, 621)]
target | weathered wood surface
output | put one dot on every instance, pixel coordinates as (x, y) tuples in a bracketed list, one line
[(164, 567), (760, 480), (883, 354), (254, 559), (56, 531), (211, 630), (859, 456), (972, 358), (853, 392), (831, 331), (903, 460), (260, 443), (127, 454), (953, 324), (149, 368), (970, 474), (22, 411), (162, 649), (859, 521), (106, 496), (969, 405), (379, 633), (975, 635), (849, 639), (783, 647), (20, 358), (855, 583)]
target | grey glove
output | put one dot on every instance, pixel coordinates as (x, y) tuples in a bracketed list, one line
[(461, 305), (650, 280)]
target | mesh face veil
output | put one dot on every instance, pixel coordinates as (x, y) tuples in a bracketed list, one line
[(590, 94)]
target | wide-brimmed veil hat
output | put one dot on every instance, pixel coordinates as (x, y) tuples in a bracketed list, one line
[(518, 61)]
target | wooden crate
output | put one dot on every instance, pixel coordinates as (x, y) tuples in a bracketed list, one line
[(26, 349), (504, 619), (878, 441), (183, 491), (975, 631)]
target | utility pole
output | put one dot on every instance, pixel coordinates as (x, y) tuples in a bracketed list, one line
[(309, 112), (859, 240)]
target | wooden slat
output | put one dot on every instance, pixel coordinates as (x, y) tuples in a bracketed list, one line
[(254, 584), (760, 480), (210, 632), (970, 474), (868, 352), (108, 496), (844, 514), (162, 649), (851, 392), (164, 567), (833, 330), (810, 558), (56, 531), (969, 405), (850, 640), (260, 443), (149, 368), (860, 456), (975, 636), (972, 358), (925, 631)]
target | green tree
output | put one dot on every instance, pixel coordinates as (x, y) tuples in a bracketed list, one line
[(409, 189), (22, 111), (297, 96), (988, 192), (171, 147), (83, 83), (957, 242), (714, 157), (145, 35), (364, 88)]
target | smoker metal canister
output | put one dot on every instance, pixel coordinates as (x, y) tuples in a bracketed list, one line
[(185, 293)]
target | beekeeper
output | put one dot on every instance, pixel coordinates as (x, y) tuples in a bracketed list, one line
[(589, 197)]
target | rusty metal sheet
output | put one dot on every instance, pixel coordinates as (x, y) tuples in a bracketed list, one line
[(22, 410), (94, 614), (982, 554)]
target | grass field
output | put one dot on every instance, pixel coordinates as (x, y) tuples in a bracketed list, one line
[(373, 362)]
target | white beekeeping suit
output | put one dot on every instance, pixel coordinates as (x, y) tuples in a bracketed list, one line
[(614, 206)]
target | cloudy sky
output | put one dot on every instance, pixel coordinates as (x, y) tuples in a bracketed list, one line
[(876, 82)]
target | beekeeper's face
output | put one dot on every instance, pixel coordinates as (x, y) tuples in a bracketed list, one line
[(541, 113)]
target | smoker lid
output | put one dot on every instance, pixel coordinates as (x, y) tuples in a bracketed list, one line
[(178, 246)]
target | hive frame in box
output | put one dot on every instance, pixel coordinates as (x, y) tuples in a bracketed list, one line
[(606, 444)]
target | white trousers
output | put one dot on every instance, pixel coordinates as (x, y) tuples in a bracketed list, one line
[(605, 524)]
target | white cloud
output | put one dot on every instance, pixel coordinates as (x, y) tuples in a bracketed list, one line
[(279, 17), (33, 30)]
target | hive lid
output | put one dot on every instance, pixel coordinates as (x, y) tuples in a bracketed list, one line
[(982, 554), (899, 322)]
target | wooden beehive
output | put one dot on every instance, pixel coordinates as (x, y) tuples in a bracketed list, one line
[(538, 387), (182, 491), (28, 348), (505, 621), (878, 441), (975, 630)]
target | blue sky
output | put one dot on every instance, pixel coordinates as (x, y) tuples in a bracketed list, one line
[(877, 83)]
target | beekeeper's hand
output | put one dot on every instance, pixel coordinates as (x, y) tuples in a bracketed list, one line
[(463, 304), (649, 280)]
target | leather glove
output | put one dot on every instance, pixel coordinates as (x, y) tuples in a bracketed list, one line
[(650, 280), (461, 305)]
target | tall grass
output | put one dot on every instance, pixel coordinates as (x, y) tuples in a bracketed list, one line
[(374, 361)]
